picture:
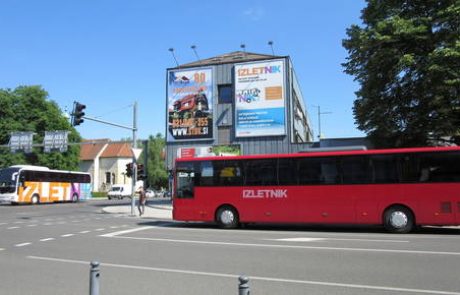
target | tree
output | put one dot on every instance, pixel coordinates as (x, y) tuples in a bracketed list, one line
[(157, 176), (406, 58), (27, 108)]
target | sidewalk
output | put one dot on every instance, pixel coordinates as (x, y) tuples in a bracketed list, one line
[(155, 208)]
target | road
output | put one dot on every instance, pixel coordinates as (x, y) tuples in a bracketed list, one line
[(46, 249)]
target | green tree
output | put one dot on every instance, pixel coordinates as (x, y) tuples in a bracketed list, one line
[(156, 169), (27, 108), (406, 58)]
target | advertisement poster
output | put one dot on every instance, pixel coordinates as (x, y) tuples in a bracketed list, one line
[(260, 99), (225, 150), (189, 104)]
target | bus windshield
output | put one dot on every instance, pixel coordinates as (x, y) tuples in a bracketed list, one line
[(8, 177)]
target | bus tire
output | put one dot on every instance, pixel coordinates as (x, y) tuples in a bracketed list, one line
[(227, 217), (35, 199), (398, 219), (74, 198)]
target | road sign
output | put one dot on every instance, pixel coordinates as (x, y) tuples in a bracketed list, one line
[(55, 141), (21, 141)]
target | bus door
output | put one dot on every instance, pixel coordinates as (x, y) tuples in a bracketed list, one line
[(184, 188)]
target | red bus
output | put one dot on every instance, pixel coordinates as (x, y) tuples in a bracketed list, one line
[(397, 188)]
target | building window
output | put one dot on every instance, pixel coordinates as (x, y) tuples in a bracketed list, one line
[(108, 178), (225, 93)]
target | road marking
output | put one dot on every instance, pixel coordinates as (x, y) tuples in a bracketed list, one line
[(268, 279), (13, 227), (299, 239), (48, 223), (31, 225), (287, 246), (47, 239), (22, 245), (1, 249), (67, 235), (3, 223), (337, 239), (117, 233), (99, 229), (18, 222), (84, 232)]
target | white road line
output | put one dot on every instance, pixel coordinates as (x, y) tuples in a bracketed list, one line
[(114, 227), (288, 246), (117, 233), (13, 227), (31, 225), (48, 223), (3, 223), (18, 222), (1, 249), (22, 245), (100, 229), (67, 235), (268, 279), (47, 239), (84, 232), (336, 239)]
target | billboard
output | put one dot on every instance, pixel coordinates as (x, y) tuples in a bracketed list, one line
[(189, 104), (260, 99)]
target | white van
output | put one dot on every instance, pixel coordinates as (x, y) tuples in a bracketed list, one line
[(119, 191)]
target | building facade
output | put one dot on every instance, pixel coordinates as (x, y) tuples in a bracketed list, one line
[(106, 162), (236, 103)]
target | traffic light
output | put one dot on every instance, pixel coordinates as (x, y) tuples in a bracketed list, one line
[(77, 113), (140, 172), (129, 169)]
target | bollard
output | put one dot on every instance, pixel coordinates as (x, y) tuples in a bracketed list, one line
[(243, 287), (94, 278)]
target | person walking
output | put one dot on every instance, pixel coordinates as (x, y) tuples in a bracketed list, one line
[(142, 200)]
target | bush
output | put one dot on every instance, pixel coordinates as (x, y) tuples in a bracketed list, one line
[(99, 194)]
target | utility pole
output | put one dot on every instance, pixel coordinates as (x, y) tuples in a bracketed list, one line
[(319, 120)]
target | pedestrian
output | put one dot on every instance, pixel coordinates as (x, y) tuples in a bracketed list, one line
[(142, 199)]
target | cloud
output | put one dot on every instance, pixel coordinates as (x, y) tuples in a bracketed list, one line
[(254, 13)]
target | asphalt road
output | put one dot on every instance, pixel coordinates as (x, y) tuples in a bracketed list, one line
[(46, 249)]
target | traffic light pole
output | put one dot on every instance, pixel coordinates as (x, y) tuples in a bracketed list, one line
[(134, 129), (134, 178)]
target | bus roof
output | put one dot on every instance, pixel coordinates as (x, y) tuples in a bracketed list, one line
[(314, 153), (43, 168)]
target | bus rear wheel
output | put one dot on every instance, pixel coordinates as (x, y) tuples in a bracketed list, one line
[(398, 219), (35, 199), (227, 217)]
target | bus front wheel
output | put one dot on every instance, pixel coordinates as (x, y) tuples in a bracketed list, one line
[(398, 219), (227, 217), (35, 199)]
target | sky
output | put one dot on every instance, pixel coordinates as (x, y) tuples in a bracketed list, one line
[(107, 54)]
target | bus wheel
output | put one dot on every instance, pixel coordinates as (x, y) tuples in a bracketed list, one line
[(35, 199), (74, 198), (398, 219), (227, 217)]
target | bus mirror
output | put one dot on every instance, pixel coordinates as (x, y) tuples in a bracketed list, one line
[(13, 176)]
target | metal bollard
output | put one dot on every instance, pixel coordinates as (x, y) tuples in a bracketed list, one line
[(94, 278), (243, 287)]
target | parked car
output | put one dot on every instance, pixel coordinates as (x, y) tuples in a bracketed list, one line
[(150, 193), (119, 191)]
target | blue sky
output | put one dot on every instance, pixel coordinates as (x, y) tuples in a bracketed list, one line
[(108, 54)]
